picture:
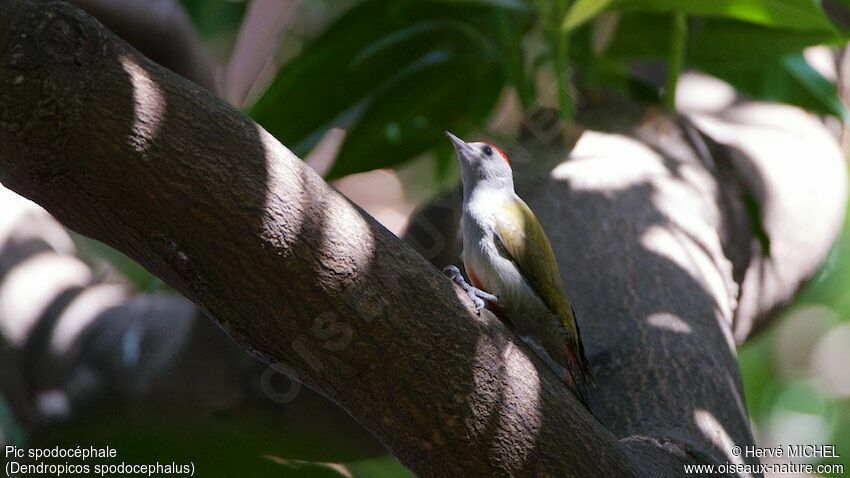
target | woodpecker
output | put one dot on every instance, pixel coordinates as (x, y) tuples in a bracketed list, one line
[(511, 265)]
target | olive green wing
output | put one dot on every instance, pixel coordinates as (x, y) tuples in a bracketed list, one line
[(526, 244)]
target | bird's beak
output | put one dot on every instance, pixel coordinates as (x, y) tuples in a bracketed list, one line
[(464, 151)]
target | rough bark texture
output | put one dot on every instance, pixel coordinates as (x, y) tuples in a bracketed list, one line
[(648, 234), (161, 30), (295, 273)]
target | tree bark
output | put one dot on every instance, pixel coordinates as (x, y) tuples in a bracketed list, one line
[(161, 30), (122, 150)]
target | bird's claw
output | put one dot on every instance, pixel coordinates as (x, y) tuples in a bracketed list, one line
[(453, 273), (486, 296), (479, 304), (478, 297)]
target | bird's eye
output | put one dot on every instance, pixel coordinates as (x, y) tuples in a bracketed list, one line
[(488, 151)]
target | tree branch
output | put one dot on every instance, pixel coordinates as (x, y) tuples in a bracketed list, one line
[(295, 273), (161, 30), (122, 150)]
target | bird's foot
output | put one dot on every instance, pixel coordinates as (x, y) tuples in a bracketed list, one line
[(479, 297)]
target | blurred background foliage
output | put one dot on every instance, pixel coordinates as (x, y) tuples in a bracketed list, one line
[(797, 373), (394, 74), (397, 73)]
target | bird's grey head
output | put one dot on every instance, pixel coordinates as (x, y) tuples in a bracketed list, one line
[(482, 164)]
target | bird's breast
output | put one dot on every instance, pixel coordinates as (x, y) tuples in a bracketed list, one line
[(483, 260)]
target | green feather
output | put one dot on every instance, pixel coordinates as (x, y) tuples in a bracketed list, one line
[(523, 238)]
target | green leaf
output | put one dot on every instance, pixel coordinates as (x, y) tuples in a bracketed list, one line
[(410, 118), (639, 36), (582, 11), (243, 445), (821, 89), (509, 35), (94, 252), (518, 5), (365, 53), (712, 41), (791, 80), (10, 431), (215, 17), (792, 14), (759, 70), (384, 467), (418, 29), (308, 469), (371, 468)]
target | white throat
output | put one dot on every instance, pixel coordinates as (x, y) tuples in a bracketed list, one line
[(477, 180)]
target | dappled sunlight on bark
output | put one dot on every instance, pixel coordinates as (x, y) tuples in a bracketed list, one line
[(717, 434), (149, 106), (669, 322)]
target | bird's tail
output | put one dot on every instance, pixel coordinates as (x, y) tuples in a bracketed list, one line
[(575, 370), (578, 375)]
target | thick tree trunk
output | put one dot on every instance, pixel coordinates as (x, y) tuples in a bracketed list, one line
[(649, 240)]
